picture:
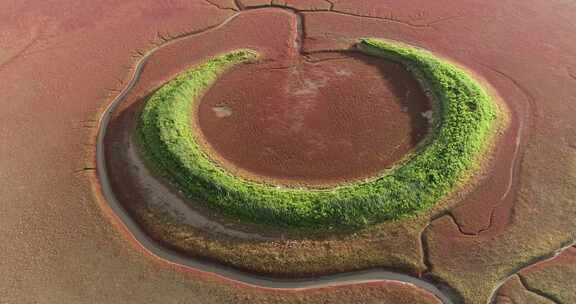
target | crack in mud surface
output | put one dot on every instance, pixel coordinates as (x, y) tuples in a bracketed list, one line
[(218, 6), (530, 264), (458, 225)]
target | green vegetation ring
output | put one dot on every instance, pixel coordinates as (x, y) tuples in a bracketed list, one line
[(464, 122)]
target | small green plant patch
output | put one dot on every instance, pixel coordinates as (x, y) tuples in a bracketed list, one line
[(464, 122)]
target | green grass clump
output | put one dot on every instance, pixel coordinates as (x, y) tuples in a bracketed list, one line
[(463, 123)]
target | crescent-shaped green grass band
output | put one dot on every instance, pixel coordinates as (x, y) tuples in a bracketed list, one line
[(464, 121)]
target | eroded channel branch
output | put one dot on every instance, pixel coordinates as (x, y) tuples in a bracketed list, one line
[(536, 291), (166, 254)]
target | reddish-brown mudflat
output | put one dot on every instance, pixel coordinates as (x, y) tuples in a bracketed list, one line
[(323, 122), (60, 65)]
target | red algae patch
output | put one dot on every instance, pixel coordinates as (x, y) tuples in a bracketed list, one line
[(313, 122)]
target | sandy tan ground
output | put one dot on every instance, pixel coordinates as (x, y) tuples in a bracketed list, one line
[(61, 62)]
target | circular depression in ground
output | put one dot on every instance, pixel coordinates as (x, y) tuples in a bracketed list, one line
[(462, 134), (329, 119)]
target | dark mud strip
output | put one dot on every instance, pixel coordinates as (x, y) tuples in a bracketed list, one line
[(170, 256)]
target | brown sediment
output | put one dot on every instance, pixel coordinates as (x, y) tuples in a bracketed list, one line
[(313, 123)]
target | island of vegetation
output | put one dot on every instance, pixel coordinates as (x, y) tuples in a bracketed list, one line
[(464, 121)]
